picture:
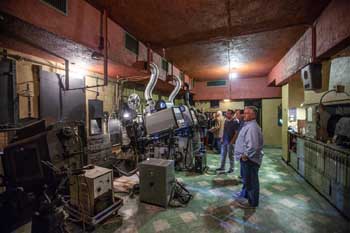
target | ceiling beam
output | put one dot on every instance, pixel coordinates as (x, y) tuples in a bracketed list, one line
[(219, 35)]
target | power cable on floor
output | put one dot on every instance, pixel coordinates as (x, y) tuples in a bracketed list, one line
[(179, 194)]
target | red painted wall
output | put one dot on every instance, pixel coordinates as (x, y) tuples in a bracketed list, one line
[(81, 25), (245, 88), (332, 34)]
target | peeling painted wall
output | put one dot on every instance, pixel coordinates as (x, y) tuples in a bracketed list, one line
[(285, 108), (244, 88), (271, 131), (296, 91), (223, 106)]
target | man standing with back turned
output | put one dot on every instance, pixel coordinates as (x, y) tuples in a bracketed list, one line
[(248, 150)]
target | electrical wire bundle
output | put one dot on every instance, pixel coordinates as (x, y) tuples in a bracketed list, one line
[(118, 170), (179, 196)]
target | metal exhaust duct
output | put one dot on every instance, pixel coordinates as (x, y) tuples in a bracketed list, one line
[(176, 90), (150, 86)]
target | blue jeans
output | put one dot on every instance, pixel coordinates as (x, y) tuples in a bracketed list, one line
[(210, 137), (244, 190), (227, 149), (251, 187), (216, 145)]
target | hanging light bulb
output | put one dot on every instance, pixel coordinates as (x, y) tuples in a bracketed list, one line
[(232, 75), (126, 115)]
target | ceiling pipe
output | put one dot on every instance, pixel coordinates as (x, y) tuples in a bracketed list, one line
[(21, 38), (105, 49), (66, 74), (150, 86), (7, 18), (176, 89), (105, 59)]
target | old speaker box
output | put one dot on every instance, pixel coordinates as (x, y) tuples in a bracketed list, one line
[(311, 76)]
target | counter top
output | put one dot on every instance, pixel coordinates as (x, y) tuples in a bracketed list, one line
[(332, 146)]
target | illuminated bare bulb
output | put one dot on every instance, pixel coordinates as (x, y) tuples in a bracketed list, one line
[(226, 100), (232, 75), (126, 115)]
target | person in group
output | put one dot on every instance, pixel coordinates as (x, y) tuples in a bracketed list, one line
[(227, 141), (239, 118), (249, 150), (188, 96), (221, 119), (211, 124), (202, 124), (217, 131)]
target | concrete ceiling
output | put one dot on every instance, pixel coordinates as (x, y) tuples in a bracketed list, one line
[(196, 35)]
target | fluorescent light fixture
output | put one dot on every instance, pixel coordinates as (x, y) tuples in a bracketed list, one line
[(226, 100), (232, 75)]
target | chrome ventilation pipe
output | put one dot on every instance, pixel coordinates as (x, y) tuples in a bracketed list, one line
[(176, 90), (150, 86)]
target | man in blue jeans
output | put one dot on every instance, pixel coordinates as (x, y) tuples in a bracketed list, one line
[(227, 142), (238, 117), (248, 150)]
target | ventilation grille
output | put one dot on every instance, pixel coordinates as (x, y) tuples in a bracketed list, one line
[(216, 83), (131, 43), (214, 103), (59, 5)]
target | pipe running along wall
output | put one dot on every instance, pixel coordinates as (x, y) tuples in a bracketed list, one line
[(9, 22), (150, 86), (176, 90), (105, 57)]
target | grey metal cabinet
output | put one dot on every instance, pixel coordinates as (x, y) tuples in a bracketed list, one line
[(327, 168)]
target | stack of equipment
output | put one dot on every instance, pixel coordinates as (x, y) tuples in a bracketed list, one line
[(91, 195), (99, 150)]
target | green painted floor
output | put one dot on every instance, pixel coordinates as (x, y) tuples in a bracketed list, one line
[(287, 204)]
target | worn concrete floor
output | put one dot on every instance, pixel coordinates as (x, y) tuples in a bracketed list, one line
[(287, 204)]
